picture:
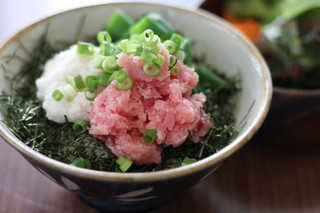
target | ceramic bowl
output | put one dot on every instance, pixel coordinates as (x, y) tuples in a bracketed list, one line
[(221, 46)]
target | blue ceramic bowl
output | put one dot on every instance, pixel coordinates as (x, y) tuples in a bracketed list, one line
[(222, 46)]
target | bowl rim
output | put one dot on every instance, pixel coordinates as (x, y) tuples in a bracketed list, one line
[(151, 176)]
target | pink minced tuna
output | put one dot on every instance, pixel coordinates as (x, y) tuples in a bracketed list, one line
[(120, 118)]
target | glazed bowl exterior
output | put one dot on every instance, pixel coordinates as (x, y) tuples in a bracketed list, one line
[(221, 46)]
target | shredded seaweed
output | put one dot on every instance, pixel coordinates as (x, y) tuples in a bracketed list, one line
[(25, 117)]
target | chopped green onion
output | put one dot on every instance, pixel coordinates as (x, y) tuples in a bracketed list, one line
[(147, 55), (150, 39), (177, 40), (180, 55), (173, 62), (175, 70), (119, 25), (174, 44), (57, 95), (123, 45), (103, 79), (170, 46), (147, 35), (109, 63), (129, 46), (92, 82), (139, 49), (151, 70), (120, 76), (104, 37), (160, 60), (114, 75), (81, 162), (126, 85), (97, 61), (68, 91), (90, 95), (80, 126), (132, 48), (124, 163), (85, 48), (150, 136), (187, 161), (76, 82), (107, 49)]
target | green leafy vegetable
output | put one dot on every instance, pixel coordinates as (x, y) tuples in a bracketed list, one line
[(85, 48), (263, 10), (291, 45)]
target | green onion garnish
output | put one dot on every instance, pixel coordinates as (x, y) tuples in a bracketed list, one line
[(76, 82), (104, 37), (126, 85), (170, 46), (103, 79), (175, 70), (97, 61), (151, 70), (57, 95), (81, 162), (80, 126), (150, 136), (149, 39), (120, 76), (85, 48), (92, 82), (178, 40), (109, 63), (68, 91), (187, 161), (107, 49), (124, 163), (90, 95), (147, 55), (160, 60), (79, 82), (181, 55), (131, 46), (173, 62), (147, 35)]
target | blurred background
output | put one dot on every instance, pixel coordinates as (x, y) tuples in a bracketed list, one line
[(15, 14)]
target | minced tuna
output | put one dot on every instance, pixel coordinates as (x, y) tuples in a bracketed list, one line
[(120, 117)]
